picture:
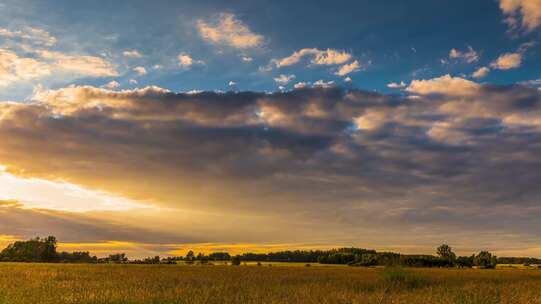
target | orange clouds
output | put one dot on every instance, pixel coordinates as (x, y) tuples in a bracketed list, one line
[(445, 85), (525, 13), (230, 31)]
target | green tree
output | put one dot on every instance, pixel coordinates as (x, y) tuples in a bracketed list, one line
[(485, 259), (446, 253), (34, 250)]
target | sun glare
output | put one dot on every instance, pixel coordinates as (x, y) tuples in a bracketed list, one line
[(61, 196)]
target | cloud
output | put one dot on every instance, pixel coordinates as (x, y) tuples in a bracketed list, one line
[(284, 79), (481, 72), (44, 194), (507, 61), (232, 83), (324, 84), (31, 35), (536, 83), (79, 64), (394, 85), (429, 167), (247, 58), (230, 31), (14, 68), (300, 85), (112, 85), (469, 56), (522, 13), (349, 68), (445, 85), (140, 70), (186, 61), (132, 54), (74, 227), (318, 57)]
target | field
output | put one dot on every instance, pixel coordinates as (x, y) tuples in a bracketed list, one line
[(43, 283)]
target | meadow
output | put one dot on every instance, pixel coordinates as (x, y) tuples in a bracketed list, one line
[(63, 283)]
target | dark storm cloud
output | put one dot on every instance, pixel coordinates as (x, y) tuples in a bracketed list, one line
[(348, 157)]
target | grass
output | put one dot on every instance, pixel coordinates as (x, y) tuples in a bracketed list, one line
[(44, 284)]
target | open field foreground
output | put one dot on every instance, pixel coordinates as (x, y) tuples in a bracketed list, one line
[(43, 283)]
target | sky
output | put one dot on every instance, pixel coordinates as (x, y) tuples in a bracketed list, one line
[(158, 127)]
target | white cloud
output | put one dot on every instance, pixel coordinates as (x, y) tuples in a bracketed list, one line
[(284, 79), (140, 70), (507, 61), (394, 85), (347, 79), (157, 66), (112, 85), (481, 72), (31, 34), (300, 85), (349, 68), (323, 84), (445, 85), (522, 13), (319, 57), (228, 30), (232, 83), (247, 59), (133, 81), (469, 56), (132, 54)]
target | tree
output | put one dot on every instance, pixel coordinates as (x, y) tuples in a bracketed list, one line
[(446, 253), (34, 250), (366, 260), (190, 256), (118, 258), (465, 261), (485, 259), (235, 261)]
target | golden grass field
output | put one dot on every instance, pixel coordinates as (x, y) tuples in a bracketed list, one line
[(54, 283)]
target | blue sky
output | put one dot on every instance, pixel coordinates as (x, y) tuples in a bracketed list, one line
[(391, 41)]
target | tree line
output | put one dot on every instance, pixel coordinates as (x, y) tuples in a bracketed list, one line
[(44, 250)]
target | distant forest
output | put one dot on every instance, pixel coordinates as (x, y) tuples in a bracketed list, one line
[(44, 250)]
